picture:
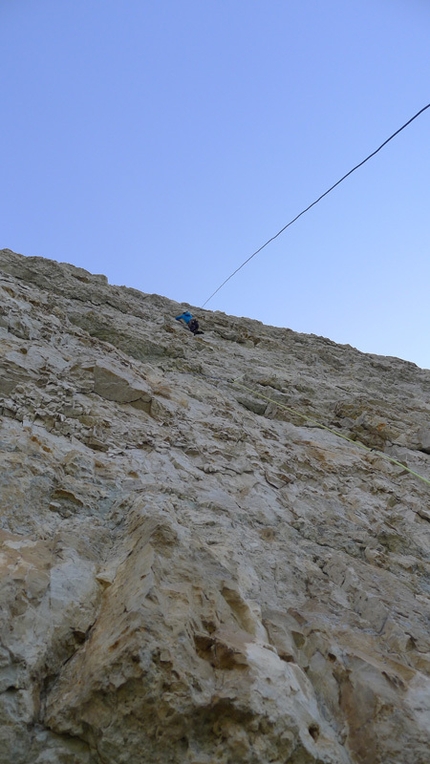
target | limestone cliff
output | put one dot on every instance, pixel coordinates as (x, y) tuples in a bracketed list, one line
[(192, 571)]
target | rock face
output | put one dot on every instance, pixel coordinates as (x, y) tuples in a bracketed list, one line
[(192, 570)]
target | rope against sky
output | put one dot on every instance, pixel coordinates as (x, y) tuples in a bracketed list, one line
[(316, 202)]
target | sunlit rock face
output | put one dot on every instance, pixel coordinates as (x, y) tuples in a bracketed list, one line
[(192, 571)]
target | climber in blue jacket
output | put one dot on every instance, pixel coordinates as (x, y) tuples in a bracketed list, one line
[(191, 323), (186, 316)]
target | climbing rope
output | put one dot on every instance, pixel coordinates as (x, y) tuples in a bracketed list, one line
[(316, 202)]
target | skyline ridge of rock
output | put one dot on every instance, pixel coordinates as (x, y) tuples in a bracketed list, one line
[(194, 573)]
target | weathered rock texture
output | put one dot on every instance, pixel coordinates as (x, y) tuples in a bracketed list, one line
[(192, 573)]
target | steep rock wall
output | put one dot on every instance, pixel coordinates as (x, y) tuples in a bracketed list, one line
[(193, 571)]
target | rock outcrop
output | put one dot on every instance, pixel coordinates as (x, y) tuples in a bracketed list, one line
[(192, 570)]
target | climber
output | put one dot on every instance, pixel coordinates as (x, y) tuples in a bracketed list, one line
[(190, 322), (186, 317)]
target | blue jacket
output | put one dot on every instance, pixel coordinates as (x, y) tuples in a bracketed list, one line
[(186, 316)]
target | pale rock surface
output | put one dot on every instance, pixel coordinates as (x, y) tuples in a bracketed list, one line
[(194, 572)]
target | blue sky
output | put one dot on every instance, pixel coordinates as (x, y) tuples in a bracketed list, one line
[(162, 142)]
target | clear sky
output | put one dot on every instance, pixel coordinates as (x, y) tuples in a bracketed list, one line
[(161, 142)]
